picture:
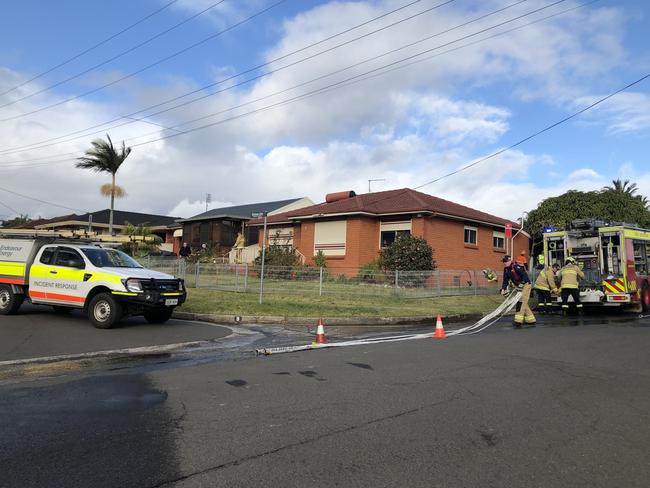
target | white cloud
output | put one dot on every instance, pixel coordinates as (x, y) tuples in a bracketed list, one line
[(584, 173), (624, 113), (407, 127)]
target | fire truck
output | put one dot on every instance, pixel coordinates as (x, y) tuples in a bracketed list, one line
[(614, 257)]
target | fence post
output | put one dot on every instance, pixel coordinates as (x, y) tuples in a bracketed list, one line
[(236, 277), (320, 284), (196, 274), (246, 277), (475, 281), (438, 282), (396, 280)]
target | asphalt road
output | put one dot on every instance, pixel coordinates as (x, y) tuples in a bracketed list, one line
[(38, 332), (555, 406)]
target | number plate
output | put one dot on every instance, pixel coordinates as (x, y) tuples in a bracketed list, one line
[(171, 301)]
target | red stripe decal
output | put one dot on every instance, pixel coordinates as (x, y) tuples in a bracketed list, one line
[(56, 296), (11, 281)]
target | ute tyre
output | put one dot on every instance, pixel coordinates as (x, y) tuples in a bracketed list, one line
[(62, 309), (10, 302), (104, 311), (158, 315), (645, 298)]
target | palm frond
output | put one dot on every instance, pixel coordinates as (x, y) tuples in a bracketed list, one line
[(108, 189)]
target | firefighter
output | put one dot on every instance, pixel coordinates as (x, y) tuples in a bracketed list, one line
[(515, 274), (545, 284), (570, 276)]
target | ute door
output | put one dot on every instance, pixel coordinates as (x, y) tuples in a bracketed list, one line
[(59, 278)]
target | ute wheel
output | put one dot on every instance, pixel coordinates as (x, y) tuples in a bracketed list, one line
[(645, 298), (9, 301), (104, 311), (158, 315), (62, 309)]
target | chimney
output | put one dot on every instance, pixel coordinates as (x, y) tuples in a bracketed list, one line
[(338, 196)]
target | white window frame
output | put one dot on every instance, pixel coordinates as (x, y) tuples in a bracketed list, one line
[(499, 235), (475, 230)]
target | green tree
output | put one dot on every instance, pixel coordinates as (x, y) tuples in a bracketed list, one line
[(408, 253), (16, 221), (622, 186), (320, 260), (613, 205), (141, 240), (104, 158)]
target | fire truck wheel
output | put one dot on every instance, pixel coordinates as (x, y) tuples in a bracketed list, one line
[(104, 311), (645, 298), (9, 301), (158, 315)]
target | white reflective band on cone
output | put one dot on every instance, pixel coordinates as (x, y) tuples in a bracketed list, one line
[(507, 305)]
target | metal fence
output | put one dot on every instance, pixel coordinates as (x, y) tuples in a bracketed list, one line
[(306, 280)]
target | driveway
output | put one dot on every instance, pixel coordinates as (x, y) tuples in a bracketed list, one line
[(38, 332)]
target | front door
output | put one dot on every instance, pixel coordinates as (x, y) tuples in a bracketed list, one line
[(58, 277)]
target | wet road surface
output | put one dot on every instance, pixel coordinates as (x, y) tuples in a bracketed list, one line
[(560, 404)]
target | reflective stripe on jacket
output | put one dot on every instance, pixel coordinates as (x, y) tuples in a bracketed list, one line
[(570, 275), (546, 279)]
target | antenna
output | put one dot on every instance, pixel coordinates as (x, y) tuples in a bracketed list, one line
[(376, 179), (208, 200)]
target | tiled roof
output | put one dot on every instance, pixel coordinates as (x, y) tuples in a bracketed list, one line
[(242, 212), (119, 218), (404, 200)]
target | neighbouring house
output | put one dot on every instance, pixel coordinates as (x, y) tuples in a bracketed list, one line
[(218, 228), (351, 229), (97, 222)]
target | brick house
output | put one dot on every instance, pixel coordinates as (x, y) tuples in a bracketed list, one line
[(351, 229), (218, 228)]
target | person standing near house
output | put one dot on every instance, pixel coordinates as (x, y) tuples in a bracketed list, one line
[(184, 251), (521, 259), (570, 276), (545, 284), (515, 275)]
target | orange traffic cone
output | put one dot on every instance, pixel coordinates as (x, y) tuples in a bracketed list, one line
[(440, 331), (321, 338)]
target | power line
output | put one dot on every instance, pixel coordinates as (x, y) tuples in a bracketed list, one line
[(249, 70), (33, 146), (91, 48), (336, 84), (155, 63), (117, 56), (41, 201), (539, 132), (9, 208), (354, 79)]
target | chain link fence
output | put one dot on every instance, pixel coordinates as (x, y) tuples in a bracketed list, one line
[(315, 281)]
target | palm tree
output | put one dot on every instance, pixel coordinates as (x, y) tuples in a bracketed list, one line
[(622, 186), (104, 158)]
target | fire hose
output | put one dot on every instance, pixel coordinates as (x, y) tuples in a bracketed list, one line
[(479, 326)]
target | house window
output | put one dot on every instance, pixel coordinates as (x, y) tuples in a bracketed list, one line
[(330, 237), (471, 235), (498, 240), (390, 230), (389, 236)]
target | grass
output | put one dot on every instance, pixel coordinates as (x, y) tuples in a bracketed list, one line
[(309, 305)]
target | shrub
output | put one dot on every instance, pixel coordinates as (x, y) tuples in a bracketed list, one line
[(280, 259), (320, 261), (372, 272), (408, 253)]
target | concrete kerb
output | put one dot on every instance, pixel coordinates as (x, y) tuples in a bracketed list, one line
[(335, 325)]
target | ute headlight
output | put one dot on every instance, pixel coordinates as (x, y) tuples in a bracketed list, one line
[(180, 285), (133, 285)]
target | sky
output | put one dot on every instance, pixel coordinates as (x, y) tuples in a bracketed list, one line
[(269, 99)]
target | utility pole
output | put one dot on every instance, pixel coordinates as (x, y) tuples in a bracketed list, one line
[(376, 179)]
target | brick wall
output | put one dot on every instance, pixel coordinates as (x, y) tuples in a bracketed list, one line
[(444, 235)]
